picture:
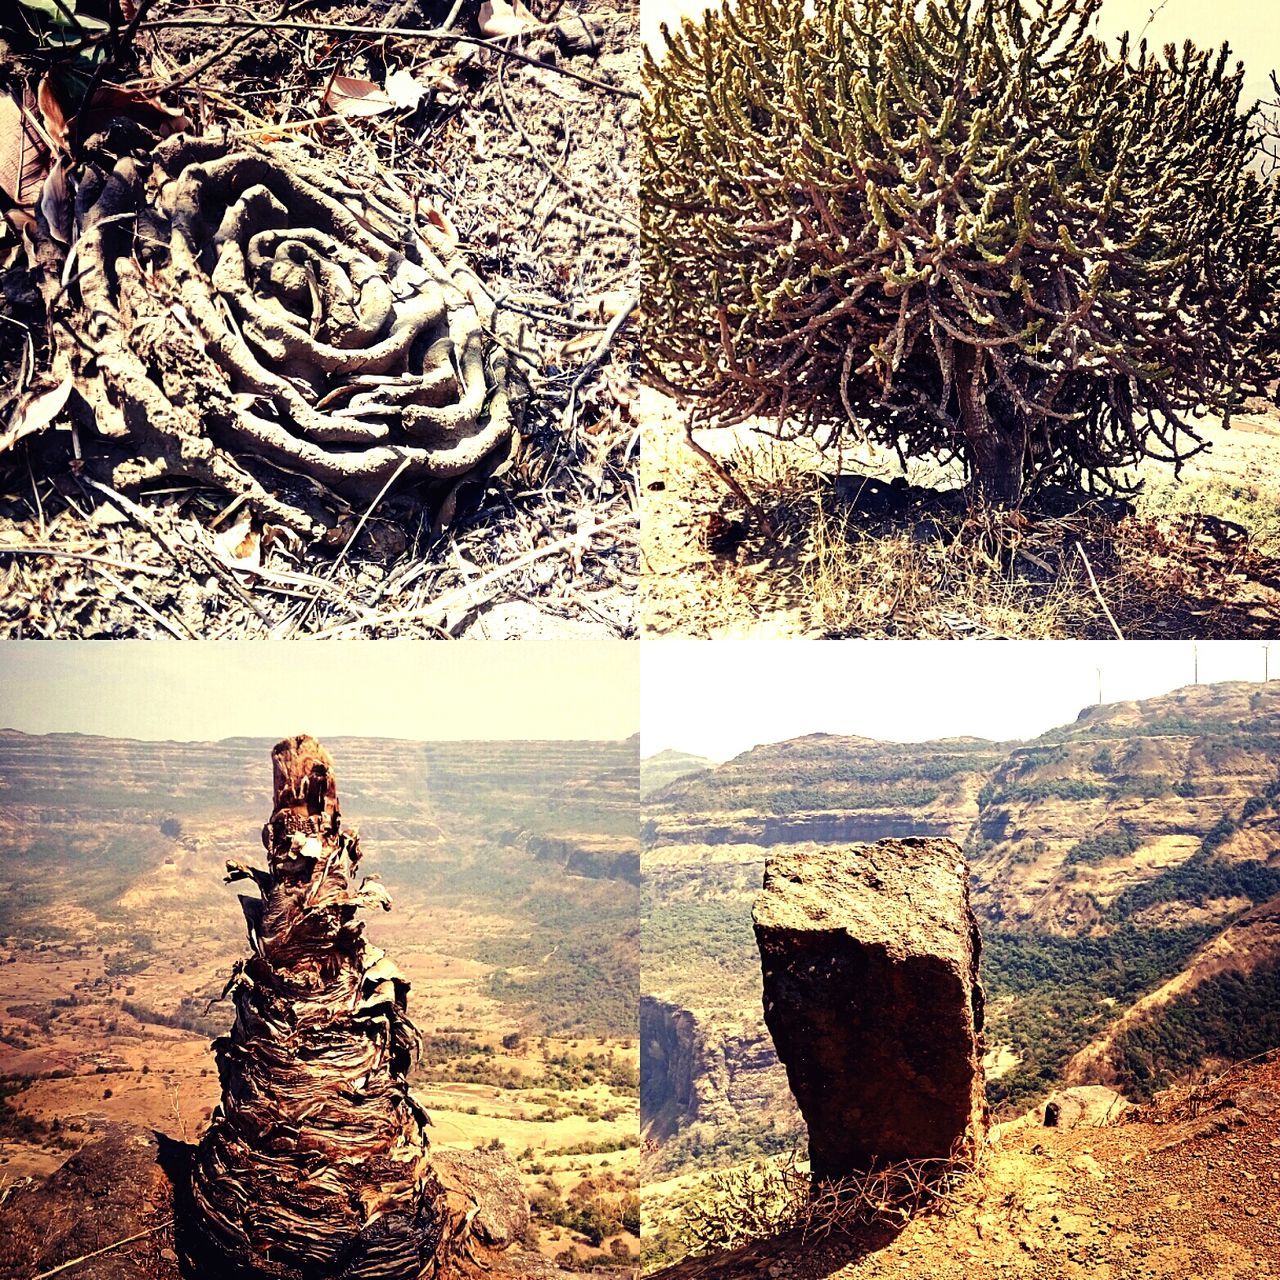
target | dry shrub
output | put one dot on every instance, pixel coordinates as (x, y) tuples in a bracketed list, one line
[(769, 1198)]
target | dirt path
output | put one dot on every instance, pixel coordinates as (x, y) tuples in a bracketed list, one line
[(1189, 1189)]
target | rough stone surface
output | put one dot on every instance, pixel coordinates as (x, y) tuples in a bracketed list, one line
[(1083, 1106), (127, 1184), (114, 1187), (871, 993)]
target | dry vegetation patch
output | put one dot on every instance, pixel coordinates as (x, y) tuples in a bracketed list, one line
[(853, 548), (289, 452)]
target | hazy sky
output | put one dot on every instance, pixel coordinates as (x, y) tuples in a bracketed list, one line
[(426, 690), (1251, 27), (717, 698)]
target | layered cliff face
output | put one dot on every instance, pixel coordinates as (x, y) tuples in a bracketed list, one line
[(1071, 824), (1104, 855), (826, 787), (698, 1073)]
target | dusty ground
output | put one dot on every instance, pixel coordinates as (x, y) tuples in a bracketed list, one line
[(834, 567), (529, 165), (163, 1078), (1188, 1188)]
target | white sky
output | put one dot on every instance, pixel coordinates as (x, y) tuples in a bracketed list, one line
[(424, 690), (1251, 27), (718, 698)]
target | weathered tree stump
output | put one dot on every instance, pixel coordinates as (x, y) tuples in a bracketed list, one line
[(871, 993), (316, 1161)]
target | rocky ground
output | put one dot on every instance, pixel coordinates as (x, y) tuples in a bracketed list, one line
[(524, 159), (1185, 1187)]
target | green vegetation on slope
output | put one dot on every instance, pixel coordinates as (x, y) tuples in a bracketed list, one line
[(1060, 987), (1231, 1015), (1106, 844)]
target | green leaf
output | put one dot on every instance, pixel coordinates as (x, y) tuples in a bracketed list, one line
[(59, 16), (50, 9)]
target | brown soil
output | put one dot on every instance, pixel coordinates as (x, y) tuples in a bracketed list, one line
[(1188, 1187), (528, 164), (1199, 558)]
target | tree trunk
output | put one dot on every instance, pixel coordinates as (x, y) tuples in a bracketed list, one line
[(315, 1163), (995, 449)]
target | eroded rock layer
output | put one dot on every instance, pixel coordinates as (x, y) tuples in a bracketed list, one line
[(316, 1162), (871, 993)]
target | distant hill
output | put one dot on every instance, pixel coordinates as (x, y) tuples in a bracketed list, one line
[(656, 771), (542, 837), (1107, 856)]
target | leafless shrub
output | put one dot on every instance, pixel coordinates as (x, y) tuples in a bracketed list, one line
[(769, 1198)]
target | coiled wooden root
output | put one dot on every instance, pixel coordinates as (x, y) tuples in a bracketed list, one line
[(241, 308)]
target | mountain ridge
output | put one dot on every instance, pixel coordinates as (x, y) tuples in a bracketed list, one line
[(1105, 853)]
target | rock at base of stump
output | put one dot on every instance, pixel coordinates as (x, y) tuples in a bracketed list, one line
[(871, 993), (128, 1183)]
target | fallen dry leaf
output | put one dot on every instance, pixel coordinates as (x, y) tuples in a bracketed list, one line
[(35, 412), (239, 545), (55, 201), (603, 306), (445, 233), (403, 90), (113, 100), (499, 18), (24, 157), (55, 118), (347, 96), (106, 515), (587, 340)]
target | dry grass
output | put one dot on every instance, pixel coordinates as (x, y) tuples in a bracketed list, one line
[(1197, 559), (895, 584)]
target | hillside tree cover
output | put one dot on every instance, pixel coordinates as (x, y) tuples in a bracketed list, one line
[(965, 229)]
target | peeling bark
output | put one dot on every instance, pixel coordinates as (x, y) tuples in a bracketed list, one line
[(316, 1161)]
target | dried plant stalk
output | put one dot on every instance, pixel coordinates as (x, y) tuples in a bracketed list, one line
[(316, 1161), (774, 1197)]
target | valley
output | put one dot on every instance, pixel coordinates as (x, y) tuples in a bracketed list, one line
[(512, 869), (1125, 871)]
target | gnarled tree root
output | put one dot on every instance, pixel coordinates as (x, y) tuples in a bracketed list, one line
[(241, 314)]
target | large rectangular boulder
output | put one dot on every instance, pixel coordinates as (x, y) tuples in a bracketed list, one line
[(871, 993)]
